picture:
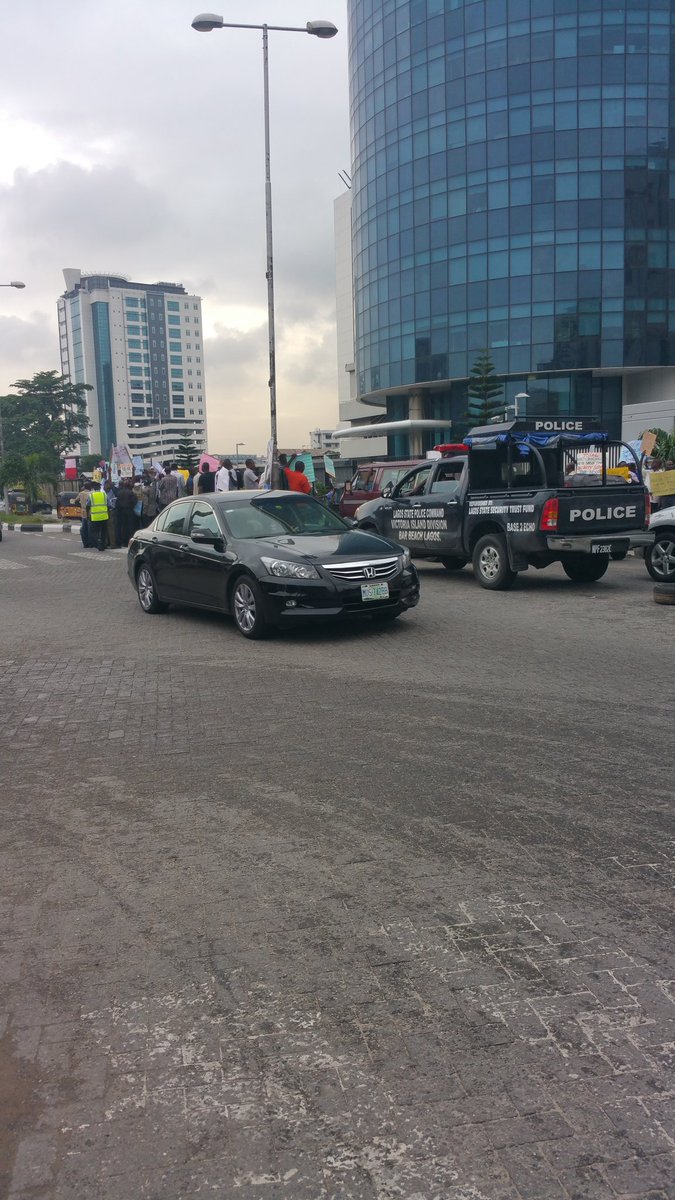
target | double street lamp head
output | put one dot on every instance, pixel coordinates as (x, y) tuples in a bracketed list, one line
[(207, 22)]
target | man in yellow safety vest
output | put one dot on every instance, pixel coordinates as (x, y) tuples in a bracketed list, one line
[(97, 508)]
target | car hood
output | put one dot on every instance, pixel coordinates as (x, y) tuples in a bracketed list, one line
[(320, 548), (371, 506), (663, 516)]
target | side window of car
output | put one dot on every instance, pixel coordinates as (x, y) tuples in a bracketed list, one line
[(204, 518), (413, 484), (175, 517)]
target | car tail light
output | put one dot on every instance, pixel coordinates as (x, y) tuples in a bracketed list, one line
[(549, 515), (648, 509)]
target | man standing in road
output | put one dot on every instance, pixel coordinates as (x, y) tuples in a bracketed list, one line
[(251, 483), (97, 507), (297, 480), (207, 480), (82, 499), (223, 480), (167, 489)]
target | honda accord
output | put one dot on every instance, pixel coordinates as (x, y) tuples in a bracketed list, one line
[(270, 559)]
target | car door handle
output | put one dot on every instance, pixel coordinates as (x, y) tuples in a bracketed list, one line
[(183, 549), (417, 504)]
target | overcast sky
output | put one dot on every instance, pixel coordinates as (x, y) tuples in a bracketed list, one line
[(131, 144)]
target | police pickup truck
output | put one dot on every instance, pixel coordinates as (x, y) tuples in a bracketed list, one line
[(515, 499)]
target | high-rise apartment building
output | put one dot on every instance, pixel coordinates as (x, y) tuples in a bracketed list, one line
[(513, 171), (140, 347)]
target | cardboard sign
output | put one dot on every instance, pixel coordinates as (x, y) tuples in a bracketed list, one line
[(648, 443), (662, 483), (589, 462)]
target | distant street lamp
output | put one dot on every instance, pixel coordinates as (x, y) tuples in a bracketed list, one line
[(236, 448), (14, 283), (521, 396), (206, 23)]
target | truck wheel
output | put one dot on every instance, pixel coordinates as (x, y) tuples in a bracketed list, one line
[(491, 563), (660, 558), (453, 564), (582, 568), (664, 593)]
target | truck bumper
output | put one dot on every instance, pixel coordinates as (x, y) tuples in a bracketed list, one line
[(584, 543)]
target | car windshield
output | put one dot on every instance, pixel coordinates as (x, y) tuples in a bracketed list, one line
[(279, 515)]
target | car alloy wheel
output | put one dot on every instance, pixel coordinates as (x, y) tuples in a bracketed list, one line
[(247, 608), (490, 562), (663, 561), (146, 589)]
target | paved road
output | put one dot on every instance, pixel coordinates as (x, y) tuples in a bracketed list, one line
[(352, 913)]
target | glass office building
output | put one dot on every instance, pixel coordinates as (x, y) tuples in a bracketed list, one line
[(513, 189)]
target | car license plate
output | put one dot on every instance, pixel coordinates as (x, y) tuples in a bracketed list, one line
[(374, 591), (600, 548)]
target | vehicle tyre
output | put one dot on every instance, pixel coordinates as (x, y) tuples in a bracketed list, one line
[(248, 608), (584, 568), (660, 558), (146, 589), (453, 564), (664, 593), (491, 563), (617, 555)]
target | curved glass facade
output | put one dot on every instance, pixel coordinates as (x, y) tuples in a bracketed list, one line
[(513, 188)]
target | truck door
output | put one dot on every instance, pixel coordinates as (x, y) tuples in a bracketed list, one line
[(397, 514), (438, 513)]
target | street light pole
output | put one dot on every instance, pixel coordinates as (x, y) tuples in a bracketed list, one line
[(236, 448), (206, 23), (270, 254)]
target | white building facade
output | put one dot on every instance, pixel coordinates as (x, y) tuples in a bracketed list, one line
[(140, 347), (351, 411)]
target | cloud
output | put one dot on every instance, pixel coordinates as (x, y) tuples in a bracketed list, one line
[(134, 145)]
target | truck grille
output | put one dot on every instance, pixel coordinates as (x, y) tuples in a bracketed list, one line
[(357, 572)]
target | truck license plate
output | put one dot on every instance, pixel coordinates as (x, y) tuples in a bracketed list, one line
[(374, 591), (600, 548)]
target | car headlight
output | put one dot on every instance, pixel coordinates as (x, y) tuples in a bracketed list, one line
[(405, 559), (289, 570)]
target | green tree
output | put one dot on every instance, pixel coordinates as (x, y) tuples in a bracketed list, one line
[(187, 455), (29, 471), (485, 391), (89, 462), (47, 416)]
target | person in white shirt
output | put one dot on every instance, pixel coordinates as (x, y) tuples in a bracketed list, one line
[(224, 476), (251, 483)]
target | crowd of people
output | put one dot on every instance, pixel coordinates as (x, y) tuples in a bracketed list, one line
[(113, 511)]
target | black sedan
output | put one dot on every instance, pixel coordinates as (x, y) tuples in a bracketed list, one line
[(270, 559)]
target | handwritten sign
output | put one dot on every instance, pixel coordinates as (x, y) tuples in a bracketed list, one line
[(662, 483)]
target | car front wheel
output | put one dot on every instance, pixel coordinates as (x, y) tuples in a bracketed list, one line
[(491, 563), (660, 558), (147, 591), (247, 609)]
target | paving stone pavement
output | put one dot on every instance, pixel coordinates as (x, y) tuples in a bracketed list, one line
[(349, 914)]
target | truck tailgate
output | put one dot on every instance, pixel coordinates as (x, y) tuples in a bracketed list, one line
[(611, 509)]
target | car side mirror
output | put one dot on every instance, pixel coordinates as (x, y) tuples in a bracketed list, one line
[(203, 538), (350, 522), (387, 489)]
